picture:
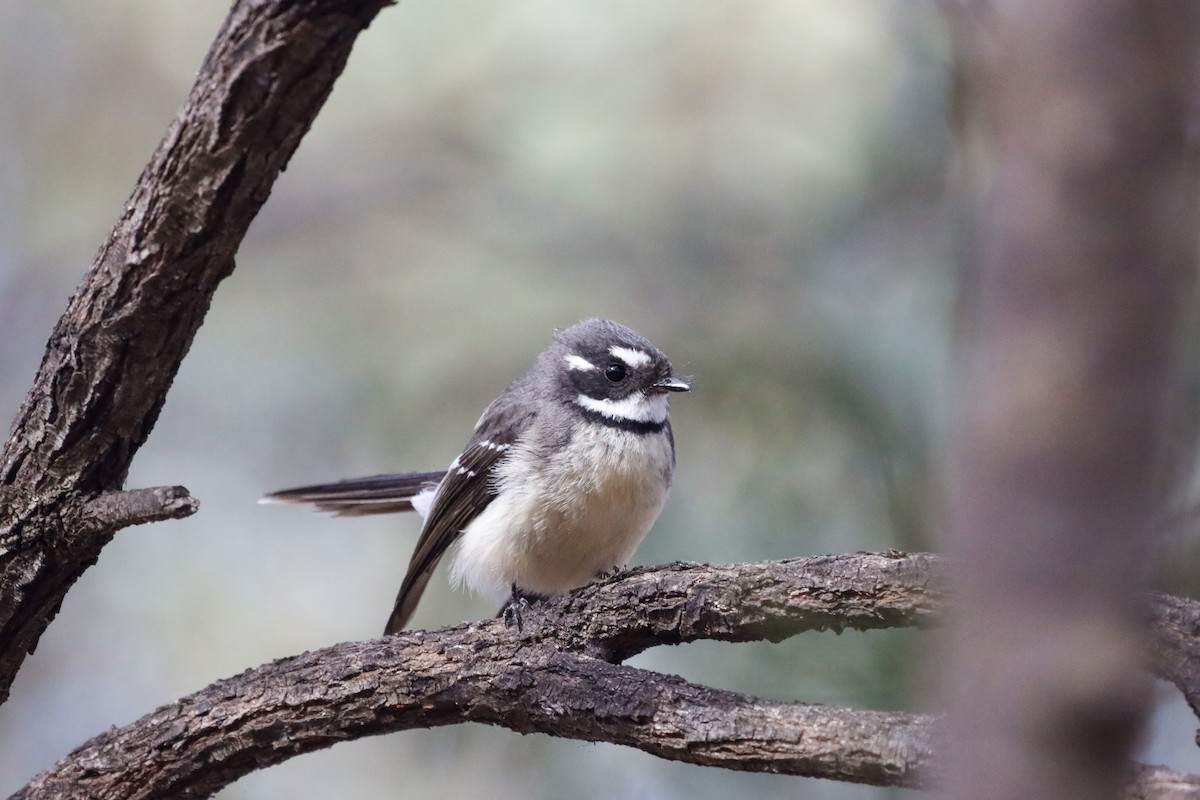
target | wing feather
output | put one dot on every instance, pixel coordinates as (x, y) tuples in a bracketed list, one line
[(463, 494)]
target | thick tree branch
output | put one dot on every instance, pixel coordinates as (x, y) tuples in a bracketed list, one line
[(114, 353), (768, 600), (478, 673), (1176, 645), (1160, 783), (555, 678), (549, 679)]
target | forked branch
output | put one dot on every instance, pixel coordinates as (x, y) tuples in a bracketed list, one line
[(112, 356), (562, 676)]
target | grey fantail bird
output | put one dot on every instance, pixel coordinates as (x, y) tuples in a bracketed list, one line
[(566, 471)]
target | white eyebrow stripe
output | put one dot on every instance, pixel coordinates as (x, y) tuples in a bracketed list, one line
[(634, 358), (635, 407), (578, 362)]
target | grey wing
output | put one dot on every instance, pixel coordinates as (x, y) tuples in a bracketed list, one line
[(377, 494), (463, 494)]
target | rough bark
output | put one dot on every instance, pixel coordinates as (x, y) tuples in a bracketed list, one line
[(114, 353), (558, 676), (1176, 645), (561, 676), (205, 741), (1076, 119)]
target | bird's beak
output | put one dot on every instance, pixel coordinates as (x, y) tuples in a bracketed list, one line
[(670, 385)]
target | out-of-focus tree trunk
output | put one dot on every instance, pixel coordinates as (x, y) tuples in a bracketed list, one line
[(1075, 120)]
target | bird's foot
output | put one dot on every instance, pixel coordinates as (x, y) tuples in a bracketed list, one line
[(510, 612), (611, 572)]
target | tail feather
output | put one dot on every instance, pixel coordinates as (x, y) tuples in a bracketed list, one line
[(377, 494), (406, 601)]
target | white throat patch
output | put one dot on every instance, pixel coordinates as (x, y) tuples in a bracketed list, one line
[(637, 407)]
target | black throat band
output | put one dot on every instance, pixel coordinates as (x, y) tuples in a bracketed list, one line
[(632, 425)]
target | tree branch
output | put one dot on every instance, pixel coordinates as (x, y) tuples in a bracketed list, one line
[(117, 510), (1176, 645), (478, 673), (770, 600), (1160, 783), (114, 353), (556, 678)]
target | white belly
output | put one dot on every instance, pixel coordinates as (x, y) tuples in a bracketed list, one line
[(549, 535)]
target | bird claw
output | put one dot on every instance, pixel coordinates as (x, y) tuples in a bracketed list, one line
[(511, 613)]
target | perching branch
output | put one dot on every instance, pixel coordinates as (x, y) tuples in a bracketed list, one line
[(561, 677), (114, 353), (762, 601)]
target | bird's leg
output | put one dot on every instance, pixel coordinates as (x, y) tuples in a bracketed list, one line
[(510, 612), (613, 571)]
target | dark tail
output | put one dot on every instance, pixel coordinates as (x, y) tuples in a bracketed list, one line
[(406, 601), (357, 497)]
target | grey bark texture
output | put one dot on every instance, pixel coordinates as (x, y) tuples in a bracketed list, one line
[(558, 676), (112, 356), (562, 676)]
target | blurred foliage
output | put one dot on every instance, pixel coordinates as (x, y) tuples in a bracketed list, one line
[(759, 188)]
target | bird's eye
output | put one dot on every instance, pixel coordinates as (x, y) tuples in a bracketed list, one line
[(615, 372)]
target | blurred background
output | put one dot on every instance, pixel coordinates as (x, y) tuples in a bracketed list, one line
[(761, 188)]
